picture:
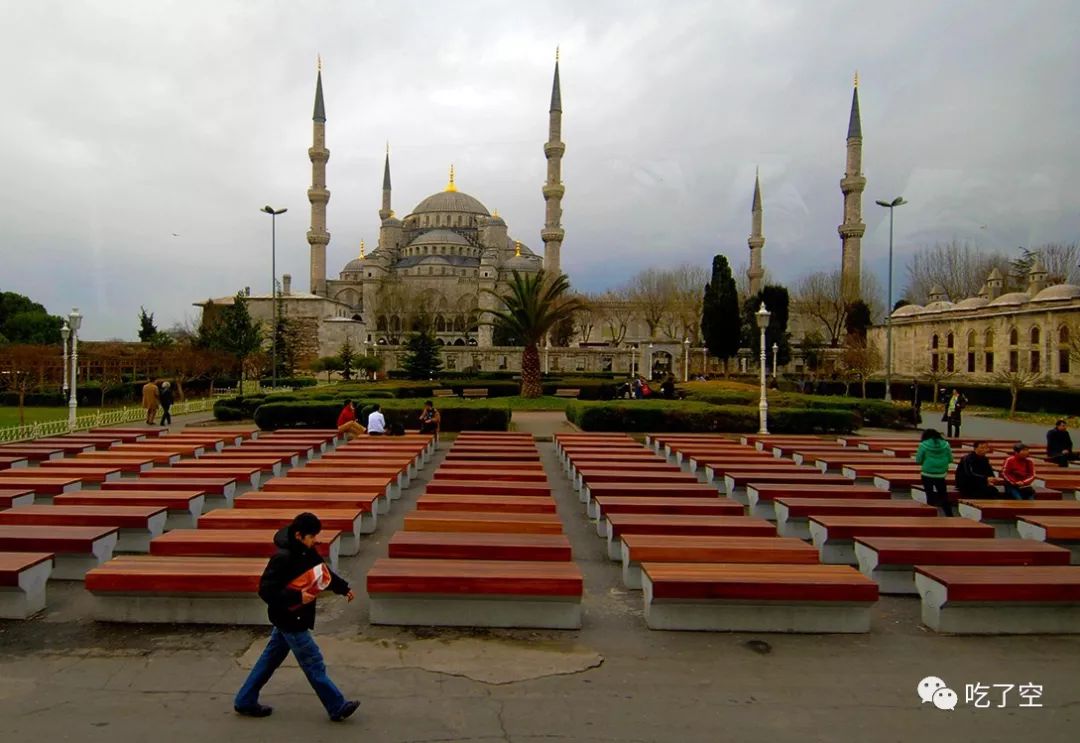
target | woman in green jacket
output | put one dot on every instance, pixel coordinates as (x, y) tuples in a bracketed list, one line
[(934, 455)]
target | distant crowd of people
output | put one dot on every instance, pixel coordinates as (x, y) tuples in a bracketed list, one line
[(640, 388), (154, 395), (349, 425)]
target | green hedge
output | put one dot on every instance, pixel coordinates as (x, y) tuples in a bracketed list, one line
[(459, 416), (642, 416), (293, 382), (875, 413)]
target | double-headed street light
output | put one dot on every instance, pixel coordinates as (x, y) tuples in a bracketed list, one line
[(273, 287), (762, 316), (890, 205)]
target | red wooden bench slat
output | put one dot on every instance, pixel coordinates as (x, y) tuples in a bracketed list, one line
[(157, 575), (962, 551), (14, 563), (479, 546), (491, 503), (1050, 583), (55, 539), (135, 517), (228, 543), (759, 582), (692, 548), (502, 577)]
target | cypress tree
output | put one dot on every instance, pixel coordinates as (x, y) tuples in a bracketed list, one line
[(720, 320)]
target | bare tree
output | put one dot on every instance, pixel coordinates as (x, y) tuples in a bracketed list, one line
[(588, 316), (1061, 261), (651, 293), (935, 377), (819, 298), (683, 317), (958, 267), (616, 314), (1016, 381), (24, 368), (859, 361)]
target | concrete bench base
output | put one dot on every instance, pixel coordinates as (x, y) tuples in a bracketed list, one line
[(832, 551), (755, 616), (28, 598), (994, 617), (138, 540), (246, 609), (75, 567), (426, 610), (891, 579), (797, 528), (631, 571)]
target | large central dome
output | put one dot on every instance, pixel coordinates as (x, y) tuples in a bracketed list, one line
[(451, 201)]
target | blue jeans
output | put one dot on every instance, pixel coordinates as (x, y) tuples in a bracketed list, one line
[(308, 655), (1018, 493)]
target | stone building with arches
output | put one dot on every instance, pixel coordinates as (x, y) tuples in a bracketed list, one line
[(993, 333)]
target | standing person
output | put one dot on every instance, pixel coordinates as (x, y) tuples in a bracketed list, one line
[(975, 476), (293, 577), (150, 397), (430, 418), (346, 421), (1059, 445), (376, 422), (166, 403), (1019, 473), (953, 416), (935, 455)]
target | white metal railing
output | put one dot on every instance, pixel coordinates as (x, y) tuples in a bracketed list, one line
[(96, 419)]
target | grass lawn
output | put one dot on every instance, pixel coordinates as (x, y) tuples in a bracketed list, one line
[(523, 403), (9, 416)]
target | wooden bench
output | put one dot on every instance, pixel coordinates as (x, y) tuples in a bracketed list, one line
[(12, 463), (666, 504), (474, 392), (128, 461), (137, 524), (487, 503), (242, 474), (1000, 599), (283, 457), (183, 508), (953, 494), (592, 475), (43, 486), (716, 469), (429, 545), (12, 498), (228, 465), (494, 487), (1063, 531), (891, 561), (367, 503), (154, 448), (639, 548), (476, 593), (381, 486), (307, 451), (35, 453), (178, 590), (631, 489), (1002, 514), (88, 474), (503, 475), (76, 549), (442, 392), (219, 491), (761, 496), (757, 598), (834, 536), (736, 481), (345, 520), (793, 514), (236, 543), (23, 576), (481, 521), (619, 524), (571, 392)]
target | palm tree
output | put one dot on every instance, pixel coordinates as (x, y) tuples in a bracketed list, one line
[(533, 305)]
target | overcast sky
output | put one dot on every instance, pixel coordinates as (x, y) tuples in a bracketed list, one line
[(139, 139)]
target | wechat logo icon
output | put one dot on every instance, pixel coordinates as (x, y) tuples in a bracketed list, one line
[(934, 690)]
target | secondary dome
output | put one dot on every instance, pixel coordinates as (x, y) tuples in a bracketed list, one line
[(939, 306), (1058, 291), (356, 264), (908, 310), (972, 303), (440, 237), (1011, 299), (451, 201)]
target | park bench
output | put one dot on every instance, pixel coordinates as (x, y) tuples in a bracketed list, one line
[(953, 494), (209, 442), (153, 457), (619, 524), (151, 433), (76, 549), (137, 524), (219, 491), (891, 561), (867, 471), (1067, 481), (760, 496), (178, 590), (183, 508), (43, 486), (23, 576), (757, 598), (793, 514), (284, 457), (381, 486), (715, 469), (688, 548), (100, 442), (491, 487), (159, 449), (503, 475), (433, 545), (631, 489), (837, 462), (604, 504), (491, 455), (1063, 531), (258, 447), (242, 474), (834, 535), (118, 465), (476, 593), (88, 474), (442, 392), (595, 475), (483, 521), (370, 503), (236, 543), (11, 463), (345, 520), (396, 470), (994, 599), (571, 392), (269, 465), (488, 503), (629, 466), (32, 452), (1002, 514), (474, 392), (736, 481), (12, 498)]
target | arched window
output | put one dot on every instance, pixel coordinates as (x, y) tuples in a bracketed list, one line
[(1014, 337), (1036, 335), (380, 323), (1063, 334), (395, 324), (972, 339), (988, 339), (934, 342), (1063, 350), (949, 340), (440, 324)]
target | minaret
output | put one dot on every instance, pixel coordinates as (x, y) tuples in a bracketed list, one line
[(318, 195), (756, 241), (386, 212), (852, 185), (553, 234)]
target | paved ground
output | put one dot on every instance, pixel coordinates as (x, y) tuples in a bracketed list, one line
[(65, 678)]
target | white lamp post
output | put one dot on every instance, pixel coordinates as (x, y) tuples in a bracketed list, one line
[(74, 321), (649, 364), (686, 359), (704, 362), (65, 333), (775, 351), (763, 406)]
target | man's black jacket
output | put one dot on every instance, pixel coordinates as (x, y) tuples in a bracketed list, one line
[(285, 607), (973, 472), (1057, 441)]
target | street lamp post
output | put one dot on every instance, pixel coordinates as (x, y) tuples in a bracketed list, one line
[(763, 406), (649, 365), (273, 288), (65, 333), (775, 351), (686, 359), (704, 362), (890, 205), (74, 321)]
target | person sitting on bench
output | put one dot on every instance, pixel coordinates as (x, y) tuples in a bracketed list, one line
[(376, 422), (1059, 446), (430, 418), (975, 477), (1019, 473), (346, 421)]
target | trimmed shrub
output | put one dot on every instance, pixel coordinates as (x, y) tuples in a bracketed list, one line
[(457, 416), (641, 416), (229, 406), (293, 382)]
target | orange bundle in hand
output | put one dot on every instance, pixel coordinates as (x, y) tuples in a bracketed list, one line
[(312, 581)]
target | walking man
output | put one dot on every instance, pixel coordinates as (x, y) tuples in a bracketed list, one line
[(166, 403), (293, 578), (150, 397)]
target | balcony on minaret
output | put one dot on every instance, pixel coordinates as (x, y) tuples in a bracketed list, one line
[(320, 154), (318, 195), (853, 229), (318, 238), (554, 149), (554, 190), (852, 183), (552, 234)]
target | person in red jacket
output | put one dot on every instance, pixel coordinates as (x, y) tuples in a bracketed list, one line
[(346, 422), (1019, 474)]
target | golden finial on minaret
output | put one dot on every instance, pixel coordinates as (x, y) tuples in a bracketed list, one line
[(494, 213), (517, 248), (856, 78), (361, 248), (318, 62), (388, 147), (450, 186), (556, 53)]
